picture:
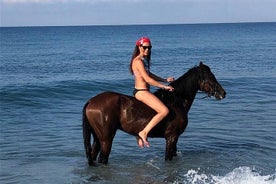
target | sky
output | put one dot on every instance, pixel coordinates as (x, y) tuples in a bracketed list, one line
[(132, 12)]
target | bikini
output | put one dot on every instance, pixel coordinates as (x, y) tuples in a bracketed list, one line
[(137, 90)]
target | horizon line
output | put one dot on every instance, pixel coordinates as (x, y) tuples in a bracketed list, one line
[(145, 24)]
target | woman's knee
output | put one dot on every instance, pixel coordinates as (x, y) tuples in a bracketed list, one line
[(164, 111)]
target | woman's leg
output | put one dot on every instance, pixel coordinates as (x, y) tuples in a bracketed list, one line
[(152, 101)]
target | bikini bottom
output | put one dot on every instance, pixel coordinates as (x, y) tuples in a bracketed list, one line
[(136, 90)]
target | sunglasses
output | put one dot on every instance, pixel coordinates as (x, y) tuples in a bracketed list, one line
[(146, 47)]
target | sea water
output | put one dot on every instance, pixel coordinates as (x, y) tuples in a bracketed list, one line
[(48, 73)]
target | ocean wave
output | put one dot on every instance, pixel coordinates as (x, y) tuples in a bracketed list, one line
[(240, 175)]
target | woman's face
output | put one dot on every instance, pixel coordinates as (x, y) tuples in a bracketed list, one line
[(145, 48)]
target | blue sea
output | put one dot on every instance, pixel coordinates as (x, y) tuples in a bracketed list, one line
[(48, 73)]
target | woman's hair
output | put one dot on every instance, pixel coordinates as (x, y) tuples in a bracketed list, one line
[(136, 52)]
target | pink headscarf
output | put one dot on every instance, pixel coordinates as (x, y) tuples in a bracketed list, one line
[(142, 40)]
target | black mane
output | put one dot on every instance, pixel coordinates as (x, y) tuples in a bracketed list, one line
[(180, 85)]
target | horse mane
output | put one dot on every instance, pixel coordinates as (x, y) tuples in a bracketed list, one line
[(179, 84), (168, 97)]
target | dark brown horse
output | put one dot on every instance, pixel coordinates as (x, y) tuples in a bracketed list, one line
[(109, 111)]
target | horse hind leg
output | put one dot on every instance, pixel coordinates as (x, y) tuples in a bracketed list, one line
[(95, 147), (105, 151), (92, 152), (105, 136)]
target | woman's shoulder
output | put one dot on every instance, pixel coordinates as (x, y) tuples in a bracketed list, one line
[(138, 61)]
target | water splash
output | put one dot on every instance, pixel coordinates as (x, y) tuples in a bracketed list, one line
[(240, 175)]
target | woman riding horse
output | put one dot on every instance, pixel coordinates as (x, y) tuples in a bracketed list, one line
[(139, 67), (107, 112)]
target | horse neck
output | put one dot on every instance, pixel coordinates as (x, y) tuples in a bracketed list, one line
[(186, 88)]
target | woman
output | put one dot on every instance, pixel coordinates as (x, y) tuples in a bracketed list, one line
[(139, 67)]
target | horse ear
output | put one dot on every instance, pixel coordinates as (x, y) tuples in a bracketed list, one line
[(201, 63)]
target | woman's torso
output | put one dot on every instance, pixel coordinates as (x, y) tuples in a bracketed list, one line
[(140, 82)]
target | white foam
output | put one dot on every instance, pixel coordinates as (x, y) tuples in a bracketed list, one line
[(240, 175)]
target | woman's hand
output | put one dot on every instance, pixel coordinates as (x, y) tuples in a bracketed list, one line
[(170, 79), (169, 88)]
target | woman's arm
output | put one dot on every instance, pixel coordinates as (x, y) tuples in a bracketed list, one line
[(139, 66), (155, 77)]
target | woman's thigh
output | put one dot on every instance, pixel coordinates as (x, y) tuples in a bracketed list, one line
[(151, 100)]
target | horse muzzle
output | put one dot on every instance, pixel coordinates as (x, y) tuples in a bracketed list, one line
[(219, 93), (212, 89)]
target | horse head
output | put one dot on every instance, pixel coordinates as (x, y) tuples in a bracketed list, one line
[(208, 83)]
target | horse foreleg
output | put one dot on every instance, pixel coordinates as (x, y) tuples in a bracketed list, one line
[(174, 147), (170, 148)]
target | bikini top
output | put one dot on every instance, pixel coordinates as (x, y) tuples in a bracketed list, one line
[(146, 64)]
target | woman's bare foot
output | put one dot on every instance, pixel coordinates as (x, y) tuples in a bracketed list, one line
[(143, 137), (140, 142)]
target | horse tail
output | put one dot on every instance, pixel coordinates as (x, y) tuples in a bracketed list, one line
[(86, 132)]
